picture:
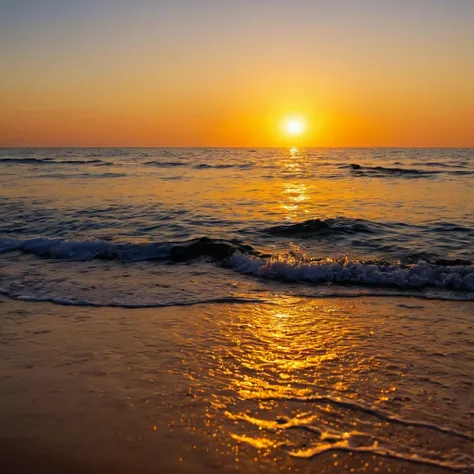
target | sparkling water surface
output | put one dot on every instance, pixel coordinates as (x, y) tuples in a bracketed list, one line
[(168, 225)]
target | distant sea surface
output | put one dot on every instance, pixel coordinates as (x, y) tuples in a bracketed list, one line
[(154, 227)]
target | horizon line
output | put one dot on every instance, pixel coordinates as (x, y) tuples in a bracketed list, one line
[(240, 146)]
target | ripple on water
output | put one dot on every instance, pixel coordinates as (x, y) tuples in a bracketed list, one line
[(305, 378)]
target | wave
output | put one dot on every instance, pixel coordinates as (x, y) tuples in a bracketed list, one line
[(360, 170), (242, 166), (439, 164), (204, 247), (419, 276), (78, 175), (69, 301), (101, 175), (51, 161), (166, 164), (243, 258), (450, 227), (337, 225)]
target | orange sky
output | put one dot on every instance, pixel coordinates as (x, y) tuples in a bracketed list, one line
[(209, 73)]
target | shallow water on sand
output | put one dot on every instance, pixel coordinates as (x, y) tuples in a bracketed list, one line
[(294, 384)]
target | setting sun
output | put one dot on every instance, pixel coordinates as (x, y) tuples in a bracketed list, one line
[(294, 127)]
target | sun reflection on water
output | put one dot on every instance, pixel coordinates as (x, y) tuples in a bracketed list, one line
[(298, 378), (283, 345), (295, 192), (272, 358)]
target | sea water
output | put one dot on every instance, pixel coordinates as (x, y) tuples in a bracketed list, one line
[(178, 226)]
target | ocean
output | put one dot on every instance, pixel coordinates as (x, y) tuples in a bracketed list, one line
[(222, 309), (180, 226)]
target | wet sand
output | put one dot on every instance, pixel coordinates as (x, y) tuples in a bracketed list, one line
[(300, 385)]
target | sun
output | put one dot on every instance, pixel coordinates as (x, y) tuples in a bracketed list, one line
[(294, 126)]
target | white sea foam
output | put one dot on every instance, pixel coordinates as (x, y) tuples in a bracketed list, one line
[(417, 276)]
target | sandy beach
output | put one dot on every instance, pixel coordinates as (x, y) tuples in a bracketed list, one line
[(229, 387)]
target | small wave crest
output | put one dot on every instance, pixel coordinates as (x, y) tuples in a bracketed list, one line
[(323, 226), (242, 166), (166, 164), (52, 161), (382, 171), (439, 164)]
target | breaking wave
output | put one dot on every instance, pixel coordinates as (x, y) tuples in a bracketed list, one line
[(416, 276), (243, 258)]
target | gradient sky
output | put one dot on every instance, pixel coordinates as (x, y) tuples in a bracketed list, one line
[(225, 72)]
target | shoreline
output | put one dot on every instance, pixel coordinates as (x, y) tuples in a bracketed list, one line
[(167, 390)]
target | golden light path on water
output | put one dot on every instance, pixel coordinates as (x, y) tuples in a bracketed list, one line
[(294, 192), (298, 378), (281, 354), (291, 384)]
